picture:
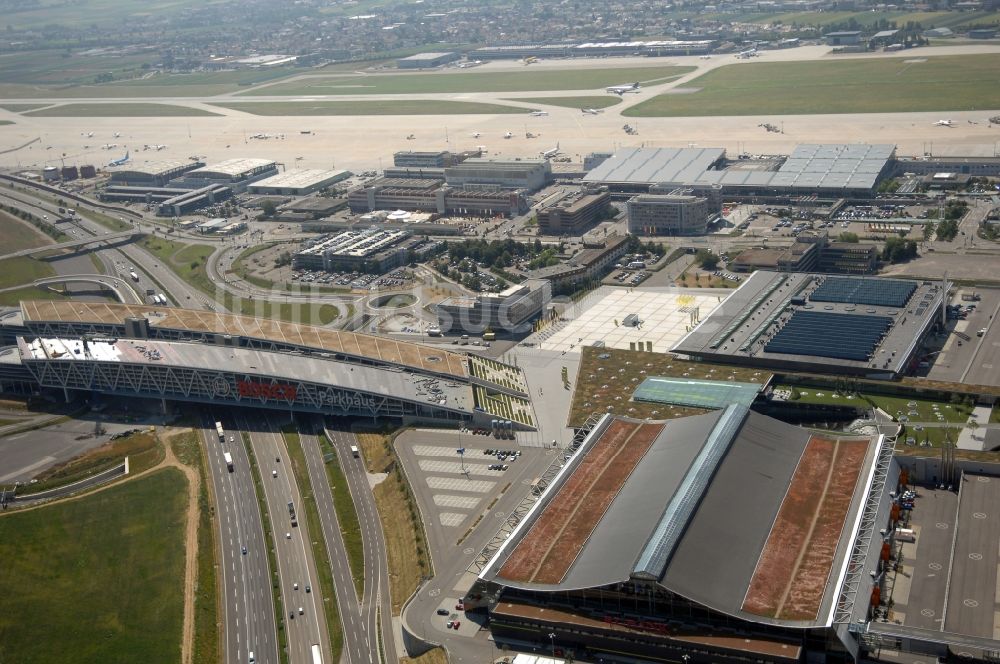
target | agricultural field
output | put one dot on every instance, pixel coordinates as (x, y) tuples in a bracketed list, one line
[(509, 81), (401, 107), (97, 579), (120, 110), (603, 101), (890, 85)]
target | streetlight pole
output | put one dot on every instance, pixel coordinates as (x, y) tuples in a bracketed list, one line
[(552, 641)]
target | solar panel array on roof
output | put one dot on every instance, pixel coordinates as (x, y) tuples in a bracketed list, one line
[(839, 336), (854, 290)]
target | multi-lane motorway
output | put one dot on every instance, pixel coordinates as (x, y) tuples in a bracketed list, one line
[(305, 623), (246, 579), (374, 612)]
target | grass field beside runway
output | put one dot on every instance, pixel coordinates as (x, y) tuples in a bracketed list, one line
[(121, 110), (401, 107), (911, 83), (465, 81), (98, 579)]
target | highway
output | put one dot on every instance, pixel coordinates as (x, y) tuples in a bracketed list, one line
[(376, 590), (305, 623), (121, 260), (358, 635), (248, 607)]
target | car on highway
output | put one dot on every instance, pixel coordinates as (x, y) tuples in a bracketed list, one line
[(442, 612), (309, 589), (301, 611), (244, 551), (288, 536), (458, 623), (274, 473)]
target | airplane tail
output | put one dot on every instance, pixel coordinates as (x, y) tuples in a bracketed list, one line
[(635, 86)]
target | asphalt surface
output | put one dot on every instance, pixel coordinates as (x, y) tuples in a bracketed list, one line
[(357, 628), (304, 620), (376, 589), (27, 454), (933, 521), (471, 642), (248, 614), (972, 592)]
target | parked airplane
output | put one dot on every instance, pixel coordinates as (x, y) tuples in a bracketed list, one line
[(160, 147), (746, 55), (706, 57), (530, 60), (622, 89), (590, 111), (508, 135), (476, 134), (120, 162), (539, 114), (118, 134), (944, 123), (547, 154)]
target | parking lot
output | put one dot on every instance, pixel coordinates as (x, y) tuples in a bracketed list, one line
[(463, 502), (970, 351), (395, 279)]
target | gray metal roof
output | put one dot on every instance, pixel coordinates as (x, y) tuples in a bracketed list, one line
[(647, 165), (810, 166)]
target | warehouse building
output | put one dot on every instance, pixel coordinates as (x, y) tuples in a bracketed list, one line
[(427, 60), (575, 212), (482, 172), (153, 174), (512, 310), (189, 200), (668, 214), (298, 182)]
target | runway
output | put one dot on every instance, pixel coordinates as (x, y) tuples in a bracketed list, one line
[(334, 142)]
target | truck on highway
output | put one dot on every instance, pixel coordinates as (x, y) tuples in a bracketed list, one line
[(163, 298), (219, 430), (229, 462), (291, 513), (354, 451), (317, 654), (134, 276)]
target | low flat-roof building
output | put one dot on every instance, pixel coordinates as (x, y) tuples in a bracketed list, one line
[(575, 212), (193, 199), (483, 172), (586, 266), (427, 60), (511, 310), (430, 195), (298, 182), (811, 252)]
